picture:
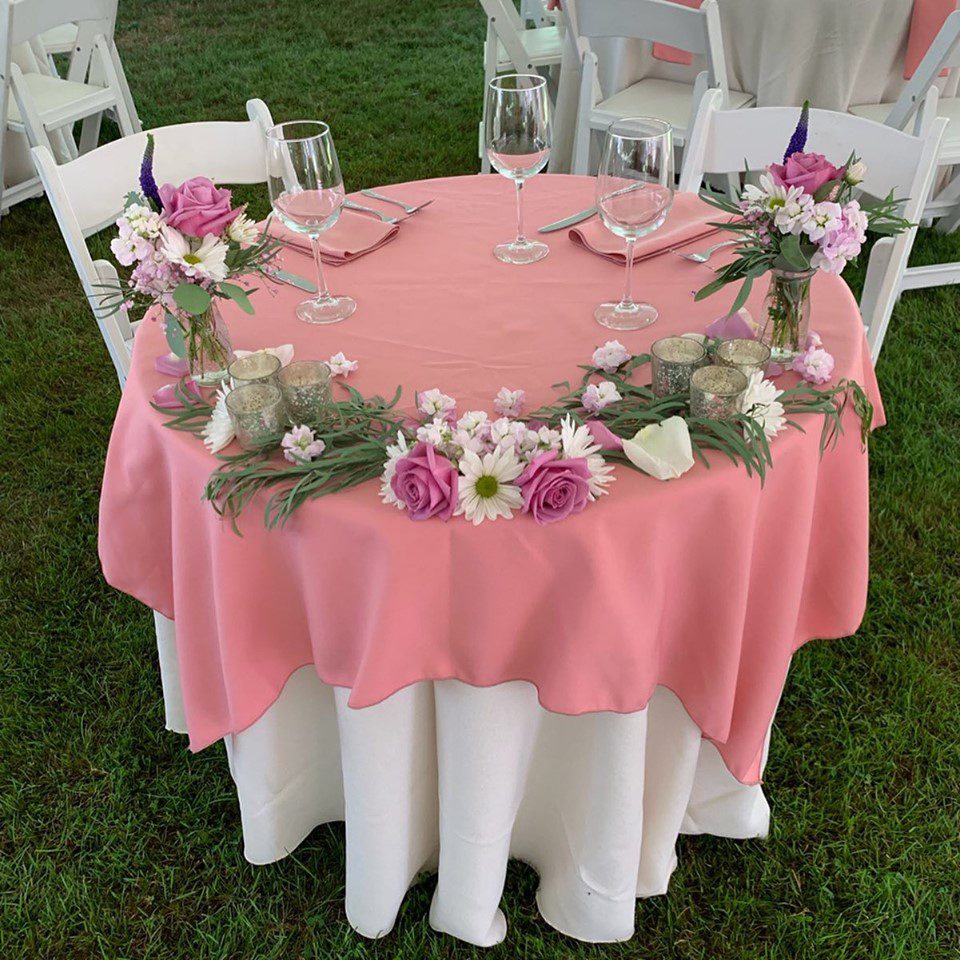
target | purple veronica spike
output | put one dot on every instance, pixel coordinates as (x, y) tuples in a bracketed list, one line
[(148, 186), (799, 139)]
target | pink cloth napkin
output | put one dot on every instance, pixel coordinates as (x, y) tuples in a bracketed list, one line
[(687, 221), (926, 21), (353, 235), (671, 54)]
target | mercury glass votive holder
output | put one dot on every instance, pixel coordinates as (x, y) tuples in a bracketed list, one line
[(255, 368), (258, 413), (747, 356), (306, 390), (673, 361), (716, 392)]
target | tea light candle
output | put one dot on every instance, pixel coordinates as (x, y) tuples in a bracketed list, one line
[(306, 390), (748, 356), (716, 392), (255, 368), (673, 360), (258, 414)]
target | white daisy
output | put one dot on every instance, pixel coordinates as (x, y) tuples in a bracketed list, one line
[(395, 451), (486, 487), (760, 402), (209, 260), (218, 430), (243, 230), (769, 197), (577, 441)]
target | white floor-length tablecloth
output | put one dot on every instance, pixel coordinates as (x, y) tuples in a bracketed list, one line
[(449, 777), (836, 53)]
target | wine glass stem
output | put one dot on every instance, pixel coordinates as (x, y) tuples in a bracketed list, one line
[(628, 287), (521, 239), (322, 292)]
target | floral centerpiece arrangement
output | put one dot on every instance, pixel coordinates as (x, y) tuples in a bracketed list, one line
[(550, 464), (803, 217), (186, 245)]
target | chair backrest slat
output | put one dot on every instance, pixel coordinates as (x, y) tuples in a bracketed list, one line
[(27, 18)]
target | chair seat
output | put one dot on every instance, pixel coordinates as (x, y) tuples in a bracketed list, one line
[(59, 101), (948, 107), (665, 99), (544, 47), (59, 39)]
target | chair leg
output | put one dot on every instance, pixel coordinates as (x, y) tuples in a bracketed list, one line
[(90, 132), (124, 120), (580, 163)]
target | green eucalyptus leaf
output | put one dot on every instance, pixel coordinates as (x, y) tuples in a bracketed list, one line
[(192, 298), (174, 332), (238, 295)]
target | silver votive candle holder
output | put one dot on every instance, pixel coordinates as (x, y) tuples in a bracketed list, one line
[(258, 414), (673, 361), (254, 368), (306, 390), (747, 356), (716, 392)]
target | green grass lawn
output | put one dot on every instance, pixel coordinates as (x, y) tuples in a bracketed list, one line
[(115, 842)]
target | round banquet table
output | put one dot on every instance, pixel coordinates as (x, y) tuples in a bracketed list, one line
[(576, 695), (835, 53)]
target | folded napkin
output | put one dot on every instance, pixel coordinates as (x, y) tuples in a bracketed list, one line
[(353, 235), (671, 54), (688, 220), (925, 22)]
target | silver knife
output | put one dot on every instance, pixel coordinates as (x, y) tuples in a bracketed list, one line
[(295, 281), (568, 221)]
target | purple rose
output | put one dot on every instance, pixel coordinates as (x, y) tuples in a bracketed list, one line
[(553, 489), (426, 482), (809, 171), (197, 207)]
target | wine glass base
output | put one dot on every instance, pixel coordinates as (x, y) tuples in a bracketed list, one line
[(620, 316), (326, 309), (530, 251)]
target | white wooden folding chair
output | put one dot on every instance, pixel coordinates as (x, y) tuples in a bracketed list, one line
[(726, 141), (87, 194), (512, 47), (695, 30), (44, 106)]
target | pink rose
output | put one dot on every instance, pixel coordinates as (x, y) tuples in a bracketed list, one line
[(809, 171), (197, 207), (553, 489), (426, 482)]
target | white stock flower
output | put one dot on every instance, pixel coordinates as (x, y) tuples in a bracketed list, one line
[(824, 218), (610, 356), (662, 450), (340, 366), (208, 261), (577, 441), (218, 431), (794, 215), (599, 395), (509, 403), (242, 229), (433, 403), (761, 401), (486, 489), (395, 451)]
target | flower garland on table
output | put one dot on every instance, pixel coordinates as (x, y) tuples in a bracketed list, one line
[(551, 465)]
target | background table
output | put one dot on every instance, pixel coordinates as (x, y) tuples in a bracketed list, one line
[(625, 604), (835, 53)]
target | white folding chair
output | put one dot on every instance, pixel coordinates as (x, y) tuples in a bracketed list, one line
[(695, 30), (58, 40), (44, 106), (510, 46), (726, 141), (87, 194)]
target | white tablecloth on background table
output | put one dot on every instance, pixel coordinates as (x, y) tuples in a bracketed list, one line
[(836, 53)]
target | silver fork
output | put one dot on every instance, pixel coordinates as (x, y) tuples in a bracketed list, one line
[(705, 255), (353, 205), (407, 208)]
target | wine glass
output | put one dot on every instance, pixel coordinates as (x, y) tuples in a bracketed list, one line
[(306, 190), (634, 194), (518, 145)]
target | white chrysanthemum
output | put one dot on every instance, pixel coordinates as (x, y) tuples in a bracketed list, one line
[(218, 430), (577, 441), (395, 451), (243, 230), (209, 260), (486, 486), (760, 401)]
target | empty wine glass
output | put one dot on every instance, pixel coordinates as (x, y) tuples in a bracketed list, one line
[(306, 190), (518, 144), (634, 194)]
